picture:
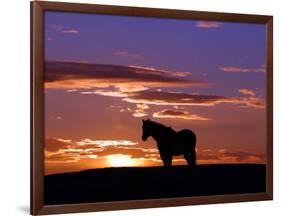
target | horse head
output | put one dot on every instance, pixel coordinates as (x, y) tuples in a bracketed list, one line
[(146, 129)]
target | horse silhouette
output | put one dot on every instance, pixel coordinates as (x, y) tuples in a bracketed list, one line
[(170, 142)]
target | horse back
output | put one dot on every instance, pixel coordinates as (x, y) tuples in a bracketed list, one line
[(186, 135)]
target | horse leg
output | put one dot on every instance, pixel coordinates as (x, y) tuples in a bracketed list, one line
[(163, 158), (167, 160), (190, 157), (186, 157)]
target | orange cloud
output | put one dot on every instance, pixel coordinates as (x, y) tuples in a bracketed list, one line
[(70, 31), (132, 84), (56, 117), (178, 114), (247, 92), (127, 54), (232, 69), (54, 144), (71, 90), (175, 99), (142, 106), (182, 73), (87, 154), (104, 143), (208, 24), (74, 75), (154, 70), (61, 150), (184, 99), (62, 29), (140, 110), (106, 93), (139, 113), (225, 156)]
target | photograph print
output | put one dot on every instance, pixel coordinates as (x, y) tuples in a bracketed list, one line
[(147, 108)]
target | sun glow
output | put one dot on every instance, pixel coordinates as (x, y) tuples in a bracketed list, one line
[(120, 160)]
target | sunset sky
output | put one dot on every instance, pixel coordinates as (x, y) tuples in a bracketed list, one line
[(104, 74)]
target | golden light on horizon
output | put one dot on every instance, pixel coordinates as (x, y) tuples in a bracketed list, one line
[(120, 160)]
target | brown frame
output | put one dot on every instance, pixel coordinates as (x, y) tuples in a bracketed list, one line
[(37, 106)]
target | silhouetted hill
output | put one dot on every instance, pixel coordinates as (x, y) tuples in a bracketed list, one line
[(111, 184)]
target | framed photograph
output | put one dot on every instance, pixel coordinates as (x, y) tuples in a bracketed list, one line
[(143, 107)]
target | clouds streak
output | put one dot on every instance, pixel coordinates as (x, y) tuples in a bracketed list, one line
[(133, 84), (208, 24), (226, 156), (60, 150), (184, 99), (247, 92), (178, 114), (70, 31), (74, 152), (233, 69), (68, 75)]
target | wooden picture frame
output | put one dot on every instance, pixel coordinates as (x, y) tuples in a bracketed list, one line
[(37, 106)]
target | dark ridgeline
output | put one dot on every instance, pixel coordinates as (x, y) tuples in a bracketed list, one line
[(171, 143), (120, 184)]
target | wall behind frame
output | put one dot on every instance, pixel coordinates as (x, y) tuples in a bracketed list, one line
[(14, 109)]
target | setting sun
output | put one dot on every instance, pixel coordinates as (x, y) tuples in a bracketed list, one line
[(120, 161)]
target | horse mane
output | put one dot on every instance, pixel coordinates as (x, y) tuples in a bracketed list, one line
[(161, 126)]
